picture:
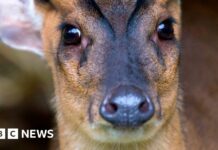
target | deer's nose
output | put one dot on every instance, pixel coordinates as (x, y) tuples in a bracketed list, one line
[(127, 106)]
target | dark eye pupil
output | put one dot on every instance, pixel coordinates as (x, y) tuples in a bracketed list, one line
[(165, 30), (71, 35)]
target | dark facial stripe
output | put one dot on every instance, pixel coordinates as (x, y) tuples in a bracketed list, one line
[(139, 5), (159, 54), (91, 5)]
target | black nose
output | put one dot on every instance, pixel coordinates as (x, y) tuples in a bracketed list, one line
[(127, 106)]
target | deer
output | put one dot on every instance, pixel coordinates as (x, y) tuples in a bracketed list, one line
[(115, 66)]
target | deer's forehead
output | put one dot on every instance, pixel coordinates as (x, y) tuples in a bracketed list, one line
[(104, 4), (108, 3), (111, 9)]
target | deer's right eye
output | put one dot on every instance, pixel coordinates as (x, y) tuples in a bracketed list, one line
[(165, 29), (71, 35)]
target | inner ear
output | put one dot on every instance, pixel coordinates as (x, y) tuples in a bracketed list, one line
[(20, 25)]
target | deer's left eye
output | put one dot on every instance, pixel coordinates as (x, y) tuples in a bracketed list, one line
[(165, 30), (71, 35)]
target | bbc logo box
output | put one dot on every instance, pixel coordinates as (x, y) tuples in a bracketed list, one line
[(12, 134), (2, 134)]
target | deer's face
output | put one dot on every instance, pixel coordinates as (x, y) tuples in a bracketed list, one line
[(115, 65)]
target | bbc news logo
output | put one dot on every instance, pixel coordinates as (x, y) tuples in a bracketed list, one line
[(15, 134)]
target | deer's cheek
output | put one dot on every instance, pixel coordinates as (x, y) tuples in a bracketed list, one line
[(70, 55), (70, 68), (169, 51)]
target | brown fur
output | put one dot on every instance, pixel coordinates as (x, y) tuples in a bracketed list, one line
[(80, 88), (120, 46), (119, 55)]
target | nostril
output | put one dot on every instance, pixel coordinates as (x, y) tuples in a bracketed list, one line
[(127, 107), (143, 107), (111, 108)]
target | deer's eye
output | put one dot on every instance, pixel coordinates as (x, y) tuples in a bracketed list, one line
[(71, 35), (165, 30)]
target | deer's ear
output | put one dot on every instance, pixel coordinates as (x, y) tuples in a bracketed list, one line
[(20, 25)]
